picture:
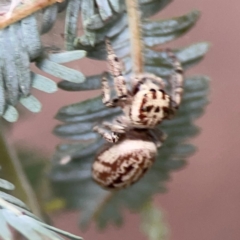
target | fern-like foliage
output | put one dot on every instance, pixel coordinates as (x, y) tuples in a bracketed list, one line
[(15, 214), (20, 45), (73, 180)]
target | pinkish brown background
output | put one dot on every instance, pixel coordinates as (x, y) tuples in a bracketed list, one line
[(203, 201)]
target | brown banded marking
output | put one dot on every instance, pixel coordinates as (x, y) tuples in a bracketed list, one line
[(116, 70), (176, 80), (163, 93), (147, 107), (168, 111), (123, 164), (154, 95)]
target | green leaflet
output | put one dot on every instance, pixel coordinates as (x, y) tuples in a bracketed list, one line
[(12, 200), (44, 84), (31, 103), (88, 11), (82, 108), (95, 22), (162, 31), (31, 37), (14, 213), (90, 117), (49, 17), (64, 233), (91, 83), (20, 44), (150, 7), (67, 56), (10, 114), (71, 23), (115, 4), (6, 185), (15, 222), (80, 151), (9, 68), (60, 71), (170, 26), (5, 232), (21, 60), (104, 8), (73, 128), (99, 15), (89, 136), (38, 228), (62, 6), (157, 63), (112, 29)]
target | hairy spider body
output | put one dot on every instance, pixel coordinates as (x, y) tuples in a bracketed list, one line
[(133, 138), (150, 103), (122, 164)]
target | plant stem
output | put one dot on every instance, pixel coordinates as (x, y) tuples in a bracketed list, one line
[(153, 223), (25, 10), (102, 204), (12, 171), (134, 23)]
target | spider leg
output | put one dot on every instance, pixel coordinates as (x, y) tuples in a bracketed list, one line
[(141, 78), (106, 95), (156, 79), (114, 127), (116, 71), (123, 121), (112, 137), (176, 81)]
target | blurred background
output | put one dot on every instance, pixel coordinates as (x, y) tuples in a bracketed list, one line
[(202, 201)]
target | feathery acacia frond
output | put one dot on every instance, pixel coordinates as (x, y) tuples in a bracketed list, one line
[(15, 214), (20, 46), (73, 180)]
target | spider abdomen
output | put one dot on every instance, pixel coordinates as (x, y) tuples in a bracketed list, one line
[(122, 164)]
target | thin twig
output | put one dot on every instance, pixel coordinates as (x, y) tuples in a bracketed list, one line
[(102, 204), (25, 10), (134, 22), (12, 171)]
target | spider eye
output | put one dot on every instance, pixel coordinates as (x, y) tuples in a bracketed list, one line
[(147, 109), (135, 90), (152, 90)]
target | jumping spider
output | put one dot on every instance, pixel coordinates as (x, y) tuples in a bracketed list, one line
[(134, 137)]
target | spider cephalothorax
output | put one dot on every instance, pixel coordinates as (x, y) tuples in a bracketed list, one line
[(134, 137), (150, 104)]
